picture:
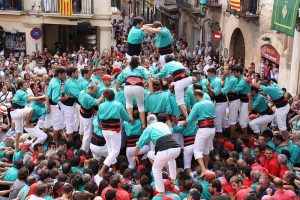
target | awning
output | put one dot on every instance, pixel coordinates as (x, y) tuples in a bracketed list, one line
[(169, 8), (270, 53)]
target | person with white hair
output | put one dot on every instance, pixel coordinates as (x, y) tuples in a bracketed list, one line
[(166, 149), (87, 109)]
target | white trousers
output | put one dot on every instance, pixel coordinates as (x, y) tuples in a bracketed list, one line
[(85, 6), (68, 113), (133, 90), (243, 116), (259, 124), (98, 151), (54, 118), (179, 87), (37, 133), (18, 115), (220, 115), (188, 155), (234, 107), (77, 116), (162, 158), (203, 142), (113, 142), (281, 115), (130, 151), (87, 124)]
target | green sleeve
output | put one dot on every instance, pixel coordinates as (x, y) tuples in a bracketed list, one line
[(144, 138), (193, 114), (124, 114), (163, 73), (240, 86), (121, 78)]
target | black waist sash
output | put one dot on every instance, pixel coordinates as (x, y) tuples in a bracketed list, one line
[(131, 140), (51, 102), (165, 50), (97, 140), (232, 96), (179, 74), (244, 98), (134, 49), (268, 111), (166, 142), (69, 102), (220, 98), (189, 140), (15, 106), (111, 124), (86, 113), (281, 102), (134, 80), (206, 123)]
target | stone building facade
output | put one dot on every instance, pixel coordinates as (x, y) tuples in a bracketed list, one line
[(90, 23)]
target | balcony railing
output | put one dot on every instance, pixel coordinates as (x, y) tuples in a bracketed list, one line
[(191, 5), (248, 9), (11, 7), (214, 3), (80, 7)]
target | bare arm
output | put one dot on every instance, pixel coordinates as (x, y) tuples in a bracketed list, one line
[(149, 30)]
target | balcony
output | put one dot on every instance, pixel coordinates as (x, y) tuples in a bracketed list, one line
[(11, 7), (191, 5), (214, 3), (51, 8), (247, 9)]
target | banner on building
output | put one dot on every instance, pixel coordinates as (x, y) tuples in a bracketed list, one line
[(235, 5), (284, 16), (66, 7)]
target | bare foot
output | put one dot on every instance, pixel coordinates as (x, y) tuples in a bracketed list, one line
[(203, 173)]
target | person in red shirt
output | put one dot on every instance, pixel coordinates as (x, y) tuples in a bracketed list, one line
[(282, 159), (259, 155), (272, 164), (282, 194), (227, 188), (246, 174), (115, 183), (241, 190)]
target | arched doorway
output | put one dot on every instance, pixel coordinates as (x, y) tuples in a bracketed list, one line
[(237, 45)]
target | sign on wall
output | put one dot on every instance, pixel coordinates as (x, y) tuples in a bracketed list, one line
[(270, 53)]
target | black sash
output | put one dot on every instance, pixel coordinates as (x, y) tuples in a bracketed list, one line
[(69, 102), (134, 49), (244, 98), (97, 140), (281, 102), (165, 50), (166, 142)]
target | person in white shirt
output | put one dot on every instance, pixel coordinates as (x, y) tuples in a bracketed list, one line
[(80, 64), (206, 56), (40, 70), (118, 62), (208, 66)]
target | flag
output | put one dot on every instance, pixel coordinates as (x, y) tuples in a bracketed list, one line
[(235, 5), (284, 16), (66, 7)]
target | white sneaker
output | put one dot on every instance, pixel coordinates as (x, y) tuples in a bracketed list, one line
[(247, 13)]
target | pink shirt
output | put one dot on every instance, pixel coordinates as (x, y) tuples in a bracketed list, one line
[(242, 193), (285, 195)]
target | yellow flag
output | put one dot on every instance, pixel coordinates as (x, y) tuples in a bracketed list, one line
[(66, 7), (235, 5)]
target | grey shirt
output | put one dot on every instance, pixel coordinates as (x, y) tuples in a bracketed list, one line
[(17, 186)]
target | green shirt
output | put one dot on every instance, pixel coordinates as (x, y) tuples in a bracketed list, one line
[(175, 109), (169, 68), (190, 130), (112, 110), (133, 129), (20, 98), (71, 88), (259, 103), (54, 90), (18, 156), (96, 129), (152, 133), (164, 38), (158, 102), (229, 83), (203, 109), (215, 84), (273, 91), (38, 110), (11, 174), (82, 83), (86, 100), (136, 36), (243, 87), (139, 72)]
